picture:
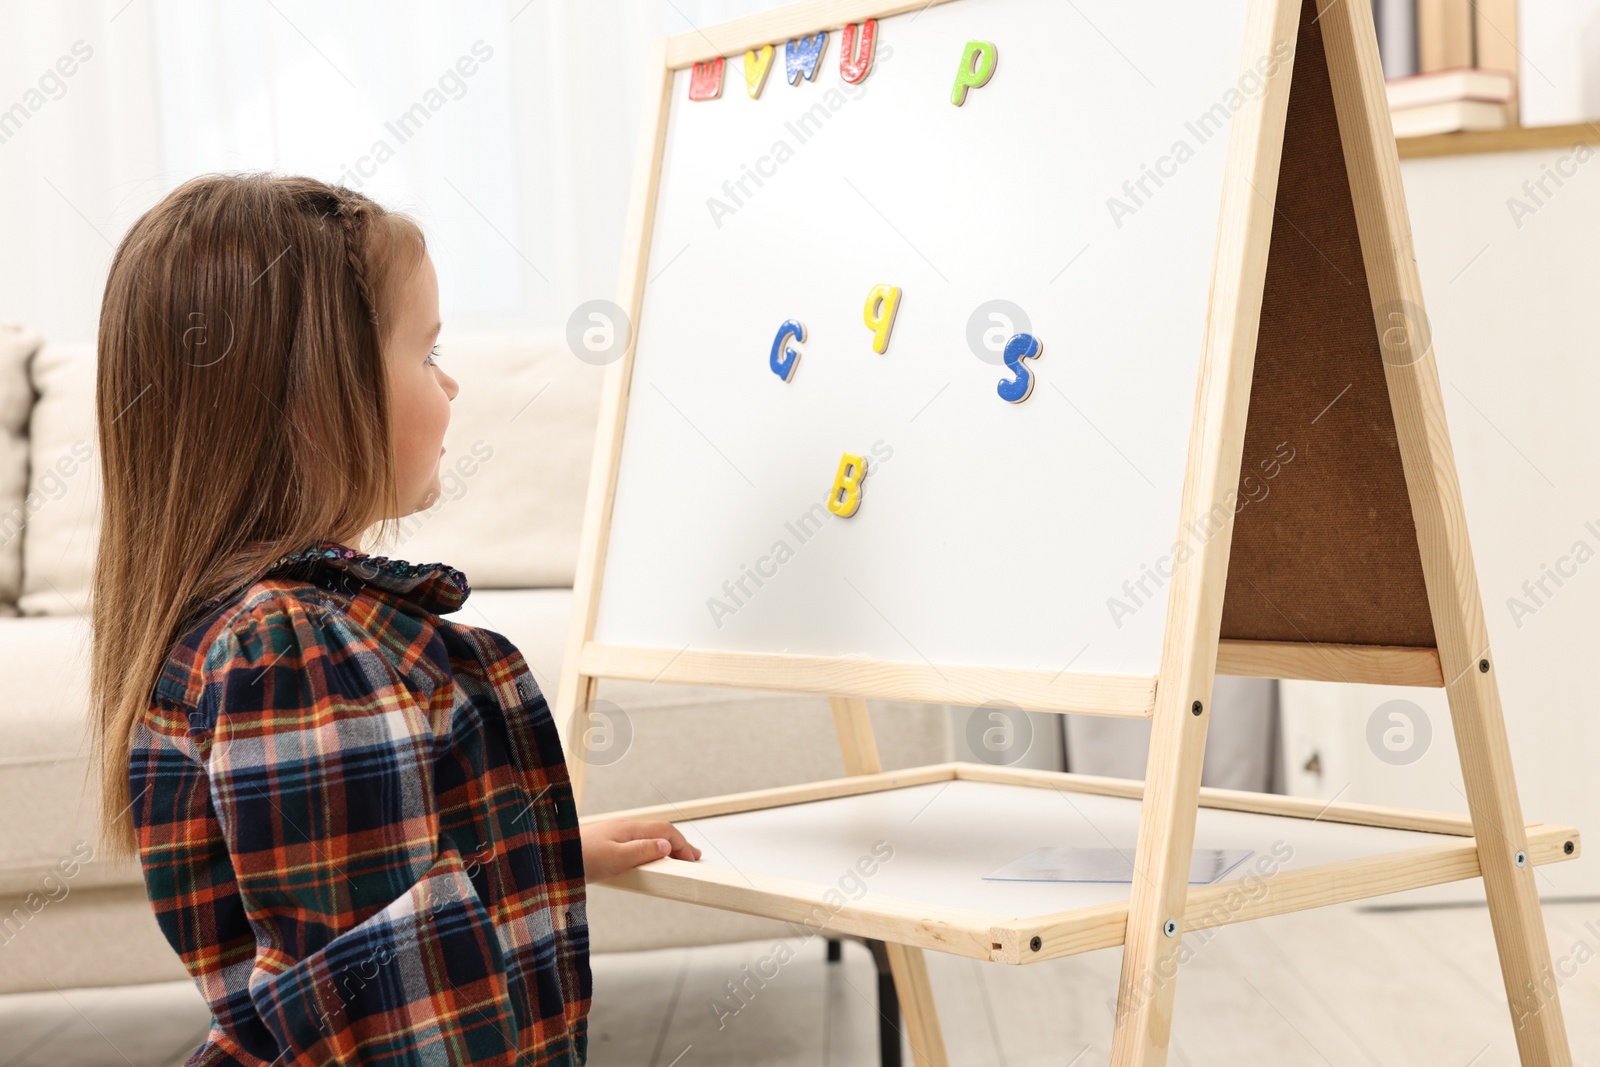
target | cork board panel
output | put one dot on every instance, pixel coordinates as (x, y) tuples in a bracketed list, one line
[(1324, 548)]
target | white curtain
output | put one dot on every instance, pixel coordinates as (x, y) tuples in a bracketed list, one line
[(506, 127), (80, 154)]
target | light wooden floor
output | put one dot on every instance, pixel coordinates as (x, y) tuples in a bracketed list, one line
[(1346, 986)]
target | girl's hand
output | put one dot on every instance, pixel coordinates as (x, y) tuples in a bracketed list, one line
[(612, 846)]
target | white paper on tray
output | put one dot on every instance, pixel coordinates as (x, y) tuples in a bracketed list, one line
[(1110, 865)]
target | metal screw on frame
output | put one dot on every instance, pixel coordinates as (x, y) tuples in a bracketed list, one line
[(1521, 858), (1197, 707), (1171, 928)]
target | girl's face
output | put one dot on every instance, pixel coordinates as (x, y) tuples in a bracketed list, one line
[(419, 392)]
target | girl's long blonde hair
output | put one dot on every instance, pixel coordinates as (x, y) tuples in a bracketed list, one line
[(243, 412)]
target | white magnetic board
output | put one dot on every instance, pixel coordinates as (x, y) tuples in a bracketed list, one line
[(988, 532)]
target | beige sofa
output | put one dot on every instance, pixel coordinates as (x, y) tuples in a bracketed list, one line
[(515, 476)]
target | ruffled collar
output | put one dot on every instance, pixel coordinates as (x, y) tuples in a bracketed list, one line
[(435, 587)]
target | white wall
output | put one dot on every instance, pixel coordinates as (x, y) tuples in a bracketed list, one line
[(1560, 76)]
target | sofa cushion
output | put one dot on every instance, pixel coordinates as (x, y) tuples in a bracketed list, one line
[(516, 464), (17, 346), (74, 936), (47, 788), (64, 477), (514, 474)]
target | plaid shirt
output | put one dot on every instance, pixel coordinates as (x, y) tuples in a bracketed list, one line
[(356, 826)]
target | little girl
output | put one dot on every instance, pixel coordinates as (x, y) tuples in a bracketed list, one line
[(353, 815)]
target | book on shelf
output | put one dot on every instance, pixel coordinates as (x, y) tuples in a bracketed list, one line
[(1448, 117), (1444, 86), (1446, 101)]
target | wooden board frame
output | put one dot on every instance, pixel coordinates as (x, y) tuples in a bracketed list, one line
[(1490, 843), (1126, 696)]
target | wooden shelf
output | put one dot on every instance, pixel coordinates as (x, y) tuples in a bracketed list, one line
[(1512, 139)]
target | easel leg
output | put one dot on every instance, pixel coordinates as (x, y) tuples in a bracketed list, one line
[(1453, 598), (1498, 829), (1150, 954), (860, 751), (1153, 938), (916, 1005), (577, 752)]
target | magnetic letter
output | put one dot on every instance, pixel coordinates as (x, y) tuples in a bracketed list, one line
[(757, 65), (784, 359), (882, 303), (977, 67), (705, 81), (1022, 346), (854, 65), (846, 495), (802, 56)]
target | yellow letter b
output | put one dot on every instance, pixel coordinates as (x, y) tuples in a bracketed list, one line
[(846, 494)]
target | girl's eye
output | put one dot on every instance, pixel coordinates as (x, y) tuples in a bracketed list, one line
[(433, 357)]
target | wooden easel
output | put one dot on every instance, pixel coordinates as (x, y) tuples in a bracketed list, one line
[(1381, 593)]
